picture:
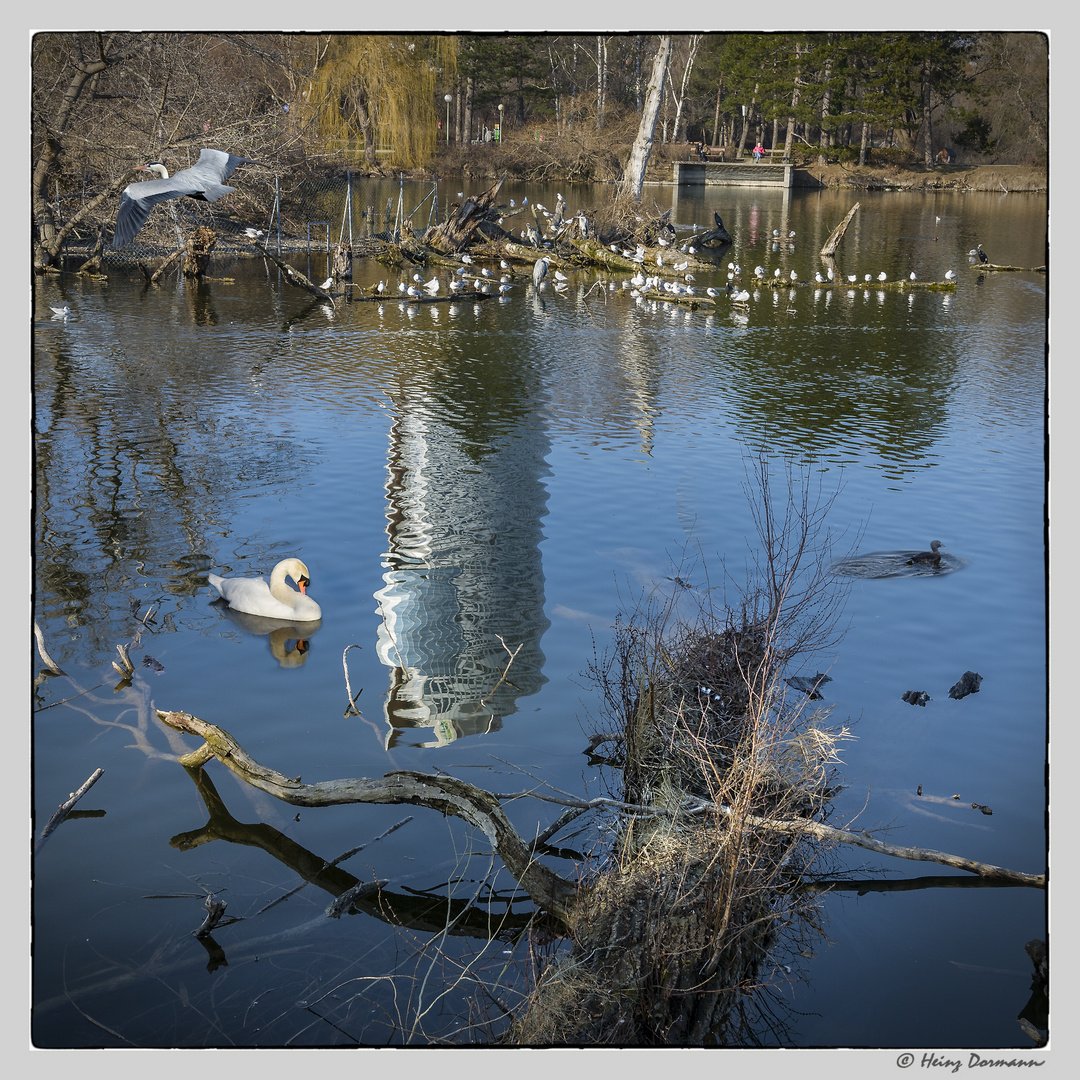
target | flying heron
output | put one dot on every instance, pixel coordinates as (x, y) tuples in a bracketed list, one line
[(204, 180)]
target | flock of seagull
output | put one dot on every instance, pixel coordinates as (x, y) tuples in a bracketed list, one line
[(205, 181)]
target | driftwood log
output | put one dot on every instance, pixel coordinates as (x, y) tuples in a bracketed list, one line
[(718, 237), (838, 233), (458, 230), (452, 796), (1022, 269)]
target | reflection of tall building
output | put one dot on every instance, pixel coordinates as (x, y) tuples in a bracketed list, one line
[(464, 573)]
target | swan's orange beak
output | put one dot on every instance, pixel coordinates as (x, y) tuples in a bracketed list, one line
[(304, 583)]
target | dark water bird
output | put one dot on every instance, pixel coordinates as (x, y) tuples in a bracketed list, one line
[(983, 258), (204, 181), (931, 556), (539, 270), (808, 684), (968, 683)]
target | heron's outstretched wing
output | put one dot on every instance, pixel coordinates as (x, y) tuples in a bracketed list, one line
[(215, 166), (202, 181)]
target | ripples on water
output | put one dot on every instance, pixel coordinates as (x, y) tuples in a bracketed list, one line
[(463, 478), (887, 564)]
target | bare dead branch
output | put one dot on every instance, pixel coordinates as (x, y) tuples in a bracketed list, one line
[(65, 808)]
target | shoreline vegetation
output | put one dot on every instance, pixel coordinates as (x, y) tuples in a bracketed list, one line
[(550, 161)]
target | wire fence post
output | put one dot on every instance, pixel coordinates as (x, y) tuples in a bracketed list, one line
[(348, 201), (277, 208)]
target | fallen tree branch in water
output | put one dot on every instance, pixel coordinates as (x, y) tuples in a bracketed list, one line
[(49, 662), (443, 793), (65, 808), (481, 808), (802, 827)]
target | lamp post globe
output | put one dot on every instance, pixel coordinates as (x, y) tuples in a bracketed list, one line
[(501, 107)]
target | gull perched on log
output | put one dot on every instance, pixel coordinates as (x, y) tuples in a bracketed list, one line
[(204, 181)]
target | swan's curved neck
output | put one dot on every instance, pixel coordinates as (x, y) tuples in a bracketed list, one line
[(279, 589)]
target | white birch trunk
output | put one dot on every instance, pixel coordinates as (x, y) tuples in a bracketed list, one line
[(695, 41), (639, 155)]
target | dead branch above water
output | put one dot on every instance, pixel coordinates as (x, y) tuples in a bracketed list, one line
[(838, 233), (442, 793), (481, 808)]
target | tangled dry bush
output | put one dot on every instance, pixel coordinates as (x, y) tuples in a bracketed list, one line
[(677, 929)]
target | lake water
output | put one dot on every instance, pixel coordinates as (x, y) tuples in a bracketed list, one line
[(465, 480)]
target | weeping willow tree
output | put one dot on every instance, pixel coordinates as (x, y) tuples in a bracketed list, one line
[(379, 91)]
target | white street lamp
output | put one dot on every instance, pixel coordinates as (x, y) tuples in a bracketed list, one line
[(500, 123), (448, 99)]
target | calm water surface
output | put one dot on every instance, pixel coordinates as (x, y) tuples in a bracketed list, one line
[(466, 481)]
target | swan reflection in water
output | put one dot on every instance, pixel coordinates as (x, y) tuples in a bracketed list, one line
[(885, 564), (289, 640)]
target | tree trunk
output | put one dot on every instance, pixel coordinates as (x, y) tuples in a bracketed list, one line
[(865, 140), (695, 42), (639, 155), (928, 134), (716, 140), (601, 78), (826, 105), (639, 48), (457, 231), (747, 121), (47, 243)]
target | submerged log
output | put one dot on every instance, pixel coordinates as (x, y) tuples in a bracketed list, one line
[(154, 277), (368, 294), (900, 285), (838, 233)]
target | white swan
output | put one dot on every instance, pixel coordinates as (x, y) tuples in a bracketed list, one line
[(273, 601)]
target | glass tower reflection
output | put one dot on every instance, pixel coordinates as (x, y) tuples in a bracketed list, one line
[(464, 582)]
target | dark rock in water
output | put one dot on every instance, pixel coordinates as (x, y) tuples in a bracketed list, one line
[(916, 697), (156, 667), (979, 806), (968, 684), (808, 685)]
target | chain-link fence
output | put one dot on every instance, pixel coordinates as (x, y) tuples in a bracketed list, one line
[(312, 213)]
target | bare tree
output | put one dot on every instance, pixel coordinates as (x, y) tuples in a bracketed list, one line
[(680, 97), (639, 154)]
